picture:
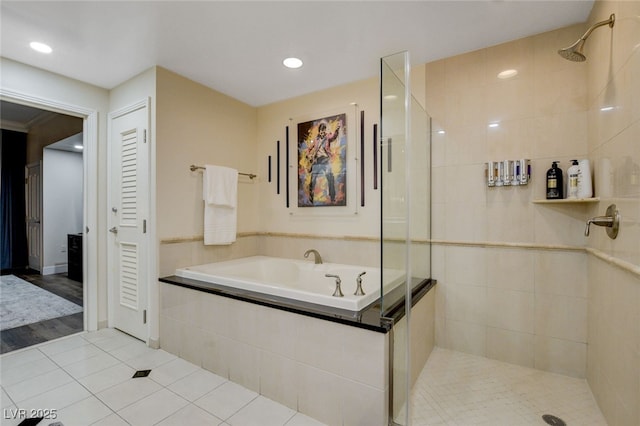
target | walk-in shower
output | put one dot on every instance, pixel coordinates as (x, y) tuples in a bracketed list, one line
[(575, 51)]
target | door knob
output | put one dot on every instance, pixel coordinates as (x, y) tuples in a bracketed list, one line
[(114, 230)]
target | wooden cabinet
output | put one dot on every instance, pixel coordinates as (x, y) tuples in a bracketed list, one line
[(74, 260)]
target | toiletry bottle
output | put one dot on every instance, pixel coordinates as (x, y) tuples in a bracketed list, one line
[(585, 186), (572, 181), (554, 182)]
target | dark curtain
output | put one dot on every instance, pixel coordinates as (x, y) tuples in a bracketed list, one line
[(13, 233)]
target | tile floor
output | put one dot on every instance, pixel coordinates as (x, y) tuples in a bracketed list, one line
[(86, 378), (460, 389)]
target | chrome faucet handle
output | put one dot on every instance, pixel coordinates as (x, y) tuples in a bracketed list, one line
[(611, 221), (338, 290), (359, 291)]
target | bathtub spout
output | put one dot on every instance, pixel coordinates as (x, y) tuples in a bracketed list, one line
[(316, 255)]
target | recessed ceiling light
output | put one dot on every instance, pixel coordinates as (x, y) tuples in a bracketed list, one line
[(507, 74), (606, 108), (441, 132), (78, 147), (40, 47), (494, 125), (292, 63)]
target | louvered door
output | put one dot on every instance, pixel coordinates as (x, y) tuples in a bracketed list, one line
[(128, 211)]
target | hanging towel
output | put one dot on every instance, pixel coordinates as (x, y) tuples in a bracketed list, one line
[(220, 195)]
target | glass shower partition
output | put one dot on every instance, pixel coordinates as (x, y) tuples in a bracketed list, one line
[(405, 171)]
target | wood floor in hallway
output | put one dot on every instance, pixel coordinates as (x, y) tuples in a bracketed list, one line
[(44, 331)]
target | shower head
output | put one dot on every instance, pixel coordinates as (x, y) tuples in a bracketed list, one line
[(574, 52)]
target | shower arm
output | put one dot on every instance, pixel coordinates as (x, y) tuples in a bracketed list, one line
[(610, 22)]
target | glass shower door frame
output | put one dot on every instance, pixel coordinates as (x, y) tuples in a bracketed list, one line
[(395, 184)]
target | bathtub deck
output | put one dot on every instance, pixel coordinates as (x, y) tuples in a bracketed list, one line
[(368, 318)]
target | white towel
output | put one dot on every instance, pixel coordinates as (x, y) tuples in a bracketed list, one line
[(220, 195)]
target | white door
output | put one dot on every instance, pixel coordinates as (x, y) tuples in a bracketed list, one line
[(33, 195), (129, 212)]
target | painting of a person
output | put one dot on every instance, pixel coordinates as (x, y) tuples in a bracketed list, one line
[(321, 161)]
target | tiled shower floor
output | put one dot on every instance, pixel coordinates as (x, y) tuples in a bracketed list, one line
[(460, 389), (86, 378)]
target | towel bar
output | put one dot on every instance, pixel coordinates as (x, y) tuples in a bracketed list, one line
[(193, 168)]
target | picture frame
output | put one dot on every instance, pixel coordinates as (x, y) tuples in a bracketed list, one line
[(321, 161)]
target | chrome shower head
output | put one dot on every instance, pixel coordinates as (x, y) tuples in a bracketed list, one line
[(574, 52)]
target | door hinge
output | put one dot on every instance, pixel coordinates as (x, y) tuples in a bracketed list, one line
[(144, 226), (145, 136), (144, 316)]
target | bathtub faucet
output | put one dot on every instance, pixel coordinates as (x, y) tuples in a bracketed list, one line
[(338, 290), (316, 255)]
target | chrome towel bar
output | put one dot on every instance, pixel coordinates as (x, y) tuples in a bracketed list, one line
[(193, 168)]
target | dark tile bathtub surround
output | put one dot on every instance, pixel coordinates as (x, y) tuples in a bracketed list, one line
[(368, 318)]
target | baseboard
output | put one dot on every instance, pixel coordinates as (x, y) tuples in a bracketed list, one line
[(55, 269), (154, 344)]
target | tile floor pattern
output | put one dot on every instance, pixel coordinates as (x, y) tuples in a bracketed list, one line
[(86, 378), (460, 389)]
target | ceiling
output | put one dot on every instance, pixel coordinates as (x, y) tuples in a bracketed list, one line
[(237, 47), (20, 118)]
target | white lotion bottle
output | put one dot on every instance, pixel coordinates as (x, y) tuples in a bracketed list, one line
[(585, 186), (572, 181)]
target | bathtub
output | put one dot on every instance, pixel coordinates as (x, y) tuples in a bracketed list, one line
[(297, 279)]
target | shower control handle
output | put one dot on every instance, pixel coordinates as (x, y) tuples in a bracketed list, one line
[(611, 221), (359, 291), (338, 290)]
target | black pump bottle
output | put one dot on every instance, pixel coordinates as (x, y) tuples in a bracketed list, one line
[(555, 183)]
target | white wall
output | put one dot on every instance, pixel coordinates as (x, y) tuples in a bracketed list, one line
[(61, 206)]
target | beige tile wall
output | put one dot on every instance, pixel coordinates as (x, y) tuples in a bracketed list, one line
[(520, 305), (613, 357), (329, 371), (504, 294), (565, 310)]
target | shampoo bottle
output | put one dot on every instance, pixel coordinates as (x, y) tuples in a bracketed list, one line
[(585, 187), (572, 184), (554, 182)]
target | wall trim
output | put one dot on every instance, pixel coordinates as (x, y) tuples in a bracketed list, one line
[(498, 244), (622, 264), (55, 269), (614, 261), (611, 260), (176, 240)]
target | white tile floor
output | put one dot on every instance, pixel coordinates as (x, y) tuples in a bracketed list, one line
[(460, 389), (86, 378)]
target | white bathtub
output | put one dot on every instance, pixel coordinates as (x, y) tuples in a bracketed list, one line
[(297, 279)]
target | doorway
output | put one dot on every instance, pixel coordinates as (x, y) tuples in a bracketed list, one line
[(48, 208)]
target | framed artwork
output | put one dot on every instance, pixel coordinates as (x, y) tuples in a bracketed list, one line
[(322, 161)]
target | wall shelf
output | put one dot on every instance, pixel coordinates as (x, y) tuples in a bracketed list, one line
[(568, 201)]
